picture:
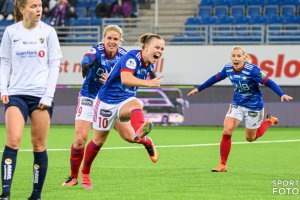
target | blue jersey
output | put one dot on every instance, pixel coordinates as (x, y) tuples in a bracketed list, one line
[(246, 85), (104, 63), (113, 91)]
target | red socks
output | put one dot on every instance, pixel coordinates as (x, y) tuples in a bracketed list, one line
[(91, 152), (262, 129), (225, 147), (75, 160), (137, 120)]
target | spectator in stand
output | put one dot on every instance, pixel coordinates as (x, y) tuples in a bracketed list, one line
[(104, 8), (60, 15), (7, 10), (123, 8)]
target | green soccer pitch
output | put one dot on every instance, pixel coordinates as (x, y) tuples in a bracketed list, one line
[(186, 155)]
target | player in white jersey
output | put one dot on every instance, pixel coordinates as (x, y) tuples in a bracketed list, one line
[(120, 104), (97, 63), (30, 58), (246, 103)]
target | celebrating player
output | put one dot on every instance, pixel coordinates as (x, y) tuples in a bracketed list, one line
[(116, 102), (97, 63), (30, 59), (246, 103)]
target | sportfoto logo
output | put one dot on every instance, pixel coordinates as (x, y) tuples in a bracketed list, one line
[(285, 187), (7, 169), (36, 168)]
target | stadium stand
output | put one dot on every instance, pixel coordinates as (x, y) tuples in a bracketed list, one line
[(195, 22)]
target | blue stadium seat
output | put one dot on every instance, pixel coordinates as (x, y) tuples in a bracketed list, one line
[(207, 3), (293, 19), (243, 20), (209, 20), (81, 11), (258, 20), (222, 3), (254, 11), (91, 12), (226, 20), (273, 2), (276, 20), (287, 10), (271, 10), (237, 11), (205, 11), (83, 21), (193, 20), (96, 21), (290, 2), (221, 11), (256, 2), (239, 2)]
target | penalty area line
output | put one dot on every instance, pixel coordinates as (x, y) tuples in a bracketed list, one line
[(176, 146)]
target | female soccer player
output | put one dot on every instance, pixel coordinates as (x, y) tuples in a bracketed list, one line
[(97, 63), (30, 59), (116, 102), (246, 103)]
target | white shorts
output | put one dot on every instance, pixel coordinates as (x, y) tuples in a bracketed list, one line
[(106, 114), (253, 118), (85, 109)]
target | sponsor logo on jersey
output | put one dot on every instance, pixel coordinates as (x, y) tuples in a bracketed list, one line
[(30, 42), (41, 53), (105, 113), (252, 114), (262, 74), (236, 76), (244, 77), (131, 64), (245, 72), (42, 40), (92, 51), (27, 54), (87, 102), (16, 40)]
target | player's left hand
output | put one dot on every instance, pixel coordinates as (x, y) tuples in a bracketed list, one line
[(286, 97), (43, 106), (193, 92), (104, 77)]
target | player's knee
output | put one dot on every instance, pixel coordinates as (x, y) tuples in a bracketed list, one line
[(79, 143), (228, 130)]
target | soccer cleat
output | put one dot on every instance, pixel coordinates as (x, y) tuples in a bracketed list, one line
[(272, 119), (86, 181), (220, 168), (71, 181), (147, 127), (34, 198), (4, 197), (153, 154)]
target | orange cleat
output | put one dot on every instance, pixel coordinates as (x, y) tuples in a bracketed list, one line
[(153, 154), (220, 168), (147, 127), (272, 119), (71, 181), (86, 181)]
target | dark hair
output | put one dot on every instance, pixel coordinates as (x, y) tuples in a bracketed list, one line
[(146, 38), (17, 5)]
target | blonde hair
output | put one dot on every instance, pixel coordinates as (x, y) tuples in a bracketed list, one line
[(247, 56), (146, 38), (113, 28), (17, 5)]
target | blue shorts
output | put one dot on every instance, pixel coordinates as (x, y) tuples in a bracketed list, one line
[(26, 104)]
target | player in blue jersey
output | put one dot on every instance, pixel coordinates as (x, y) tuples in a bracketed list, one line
[(246, 103), (97, 63), (116, 102), (30, 58)]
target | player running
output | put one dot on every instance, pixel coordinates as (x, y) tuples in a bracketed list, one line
[(246, 103)]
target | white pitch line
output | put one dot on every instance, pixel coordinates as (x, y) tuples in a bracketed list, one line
[(176, 146)]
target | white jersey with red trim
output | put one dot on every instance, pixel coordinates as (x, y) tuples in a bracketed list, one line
[(29, 51)]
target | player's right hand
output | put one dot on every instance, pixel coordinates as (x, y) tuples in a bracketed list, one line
[(154, 82), (193, 92), (5, 99)]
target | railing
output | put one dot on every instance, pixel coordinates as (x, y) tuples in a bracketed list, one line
[(185, 35)]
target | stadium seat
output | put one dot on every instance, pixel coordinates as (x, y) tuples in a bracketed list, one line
[(291, 2), (256, 2), (205, 11), (271, 10), (254, 11), (222, 3), (258, 20), (239, 3), (237, 11), (193, 20), (221, 11), (243, 20), (275, 20), (293, 19), (287, 10), (273, 2), (207, 3), (96, 21), (83, 21), (81, 11)]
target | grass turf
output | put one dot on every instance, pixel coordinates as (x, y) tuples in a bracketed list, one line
[(182, 172)]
